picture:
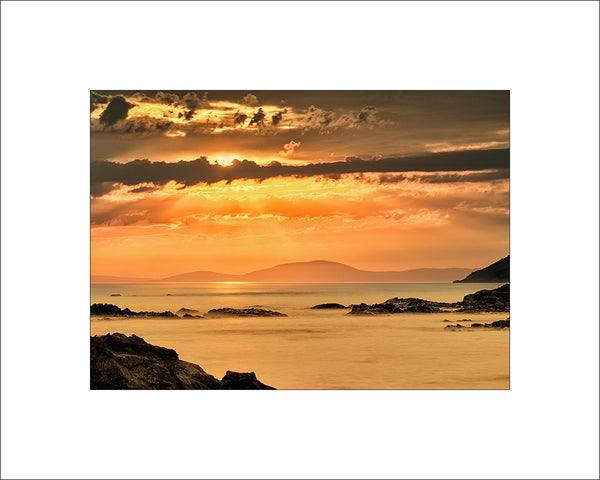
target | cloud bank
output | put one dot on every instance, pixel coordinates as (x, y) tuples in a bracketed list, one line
[(197, 171)]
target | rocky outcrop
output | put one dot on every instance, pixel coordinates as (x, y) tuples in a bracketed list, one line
[(330, 306), (494, 273), (109, 309), (495, 300), (401, 305), (243, 312), (119, 362)]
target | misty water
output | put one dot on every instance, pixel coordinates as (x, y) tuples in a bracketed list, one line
[(318, 349)]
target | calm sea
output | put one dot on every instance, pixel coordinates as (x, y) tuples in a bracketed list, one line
[(318, 349)]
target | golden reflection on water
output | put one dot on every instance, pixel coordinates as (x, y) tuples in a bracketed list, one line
[(323, 349)]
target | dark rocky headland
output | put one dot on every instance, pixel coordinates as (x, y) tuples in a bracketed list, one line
[(495, 300), (119, 362), (495, 273)]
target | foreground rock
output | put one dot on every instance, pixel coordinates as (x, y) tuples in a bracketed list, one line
[(243, 312), (242, 381), (110, 309), (119, 362), (495, 300), (330, 305)]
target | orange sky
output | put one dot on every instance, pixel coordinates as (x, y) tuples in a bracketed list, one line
[(152, 222)]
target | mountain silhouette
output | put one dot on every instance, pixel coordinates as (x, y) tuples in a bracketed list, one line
[(323, 271)]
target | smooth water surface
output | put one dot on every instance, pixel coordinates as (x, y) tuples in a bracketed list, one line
[(318, 348)]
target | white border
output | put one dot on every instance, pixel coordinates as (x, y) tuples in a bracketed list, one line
[(546, 53)]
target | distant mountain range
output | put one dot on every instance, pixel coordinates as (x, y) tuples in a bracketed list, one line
[(114, 279), (498, 272), (310, 272)]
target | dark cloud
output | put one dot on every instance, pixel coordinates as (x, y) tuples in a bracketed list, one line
[(275, 119), (144, 189), (96, 100), (325, 121), (141, 98), (117, 109), (317, 118), (167, 98), (147, 125), (470, 177), (193, 102), (239, 119), (138, 125), (101, 188), (202, 171), (367, 115), (258, 118)]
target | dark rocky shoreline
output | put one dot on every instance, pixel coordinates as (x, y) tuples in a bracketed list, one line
[(113, 310), (119, 362), (482, 301), (495, 300)]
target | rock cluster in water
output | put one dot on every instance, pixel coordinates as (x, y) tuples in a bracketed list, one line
[(495, 300), (119, 362), (110, 309), (496, 324)]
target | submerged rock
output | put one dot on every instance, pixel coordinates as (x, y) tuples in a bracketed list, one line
[(119, 362), (330, 305), (184, 310), (243, 312)]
